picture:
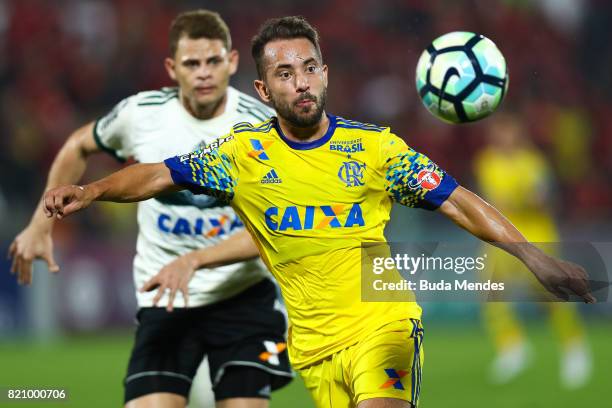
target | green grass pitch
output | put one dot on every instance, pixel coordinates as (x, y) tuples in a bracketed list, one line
[(91, 368)]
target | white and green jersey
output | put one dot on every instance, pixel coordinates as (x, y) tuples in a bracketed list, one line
[(150, 127)]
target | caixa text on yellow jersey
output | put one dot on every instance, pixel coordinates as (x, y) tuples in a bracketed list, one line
[(314, 217)]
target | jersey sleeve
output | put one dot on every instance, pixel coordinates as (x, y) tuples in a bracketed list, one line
[(211, 170), (112, 130), (411, 178)]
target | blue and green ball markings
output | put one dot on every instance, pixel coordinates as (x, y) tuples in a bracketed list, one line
[(462, 77)]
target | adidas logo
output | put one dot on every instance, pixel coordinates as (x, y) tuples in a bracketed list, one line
[(271, 178)]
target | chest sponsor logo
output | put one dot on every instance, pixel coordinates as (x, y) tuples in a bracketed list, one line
[(314, 217), (209, 227), (347, 146), (259, 148), (352, 173)]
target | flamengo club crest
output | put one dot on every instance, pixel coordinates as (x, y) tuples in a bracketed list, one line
[(427, 179), (351, 173)]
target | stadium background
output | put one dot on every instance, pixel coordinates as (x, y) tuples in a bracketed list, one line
[(63, 63)]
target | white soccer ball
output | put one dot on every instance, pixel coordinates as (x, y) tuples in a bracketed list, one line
[(462, 77)]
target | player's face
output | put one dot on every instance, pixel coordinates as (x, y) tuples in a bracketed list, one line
[(295, 81), (202, 68)]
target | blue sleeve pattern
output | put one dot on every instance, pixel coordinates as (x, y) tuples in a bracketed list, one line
[(413, 180), (204, 173)]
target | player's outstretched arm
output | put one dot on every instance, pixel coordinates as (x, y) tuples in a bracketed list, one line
[(481, 219), (176, 275), (35, 241), (133, 183)]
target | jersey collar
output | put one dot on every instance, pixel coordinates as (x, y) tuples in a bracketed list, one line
[(309, 145)]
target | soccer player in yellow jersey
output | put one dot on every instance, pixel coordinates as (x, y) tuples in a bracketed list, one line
[(311, 188), (516, 178)]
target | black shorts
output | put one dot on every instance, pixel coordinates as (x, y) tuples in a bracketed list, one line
[(243, 337)]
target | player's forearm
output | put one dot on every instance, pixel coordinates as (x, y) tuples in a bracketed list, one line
[(482, 220), (134, 183), (237, 248), (67, 168)]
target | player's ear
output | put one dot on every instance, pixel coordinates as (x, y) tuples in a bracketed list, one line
[(262, 90), (169, 65), (234, 57), (324, 69)]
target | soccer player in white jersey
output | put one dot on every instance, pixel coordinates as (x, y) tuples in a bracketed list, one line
[(232, 315)]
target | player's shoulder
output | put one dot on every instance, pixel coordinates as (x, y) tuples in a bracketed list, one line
[(343, 123), (140, 107), (260, 128), (362, 131), (157, 97), (147, 105), (249, 106)]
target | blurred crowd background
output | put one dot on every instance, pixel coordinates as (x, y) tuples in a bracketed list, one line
[(67, 62)]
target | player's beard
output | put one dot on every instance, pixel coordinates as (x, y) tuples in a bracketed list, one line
[(301, 117)]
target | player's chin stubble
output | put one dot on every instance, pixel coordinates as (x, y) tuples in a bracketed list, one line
[(304, 117)]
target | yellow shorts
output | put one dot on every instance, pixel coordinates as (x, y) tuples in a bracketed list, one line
[(385, 364)]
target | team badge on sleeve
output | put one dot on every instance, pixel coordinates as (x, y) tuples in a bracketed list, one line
[(412, 179), (395, 379), (427, 179)]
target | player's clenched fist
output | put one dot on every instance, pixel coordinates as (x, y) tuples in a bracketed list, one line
[(65, 200)]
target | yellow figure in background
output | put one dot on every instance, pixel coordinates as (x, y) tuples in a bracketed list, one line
[(515, 177)]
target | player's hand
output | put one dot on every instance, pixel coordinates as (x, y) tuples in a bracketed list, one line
[(173, 277), (32, 243), (63, 201), (558, 275)]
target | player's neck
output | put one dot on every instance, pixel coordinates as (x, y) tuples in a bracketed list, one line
[(304, 135), (204, 112)]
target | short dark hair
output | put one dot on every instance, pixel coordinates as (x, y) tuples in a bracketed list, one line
[(283, 28), (199, 24)]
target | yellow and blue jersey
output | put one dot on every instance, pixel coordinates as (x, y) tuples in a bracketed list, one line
[(309, 207)]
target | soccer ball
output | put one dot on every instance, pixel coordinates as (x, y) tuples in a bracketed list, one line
[(462, 77)]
